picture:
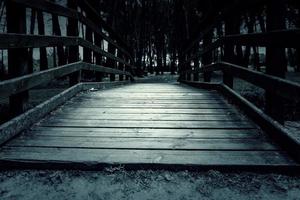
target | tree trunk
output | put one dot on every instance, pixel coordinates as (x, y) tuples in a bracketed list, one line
[(275, 59), (43, 50)]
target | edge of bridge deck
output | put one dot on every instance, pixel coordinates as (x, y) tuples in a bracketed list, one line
[(22, 122), (274, 129), (226, 156)]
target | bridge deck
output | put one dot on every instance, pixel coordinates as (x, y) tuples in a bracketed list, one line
[(144, 124)]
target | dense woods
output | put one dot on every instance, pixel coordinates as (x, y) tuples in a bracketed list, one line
[(153, 36), (158, 32)]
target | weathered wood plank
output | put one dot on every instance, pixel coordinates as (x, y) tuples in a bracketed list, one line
[(146, 124), (142, 143), (152, 117), (145, 133), (98, 111), (116, 101), (162, 106), (142, 136), (96, 157)]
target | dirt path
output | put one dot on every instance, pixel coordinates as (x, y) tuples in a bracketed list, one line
[(119, 184)]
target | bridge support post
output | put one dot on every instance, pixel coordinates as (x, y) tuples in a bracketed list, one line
[(73, 56), (121, 66), (230, 28), (98, 42), (207, 57), (87, 53), (17, 58), (110, 63), (275, 59), (188, 67), (196, 67)]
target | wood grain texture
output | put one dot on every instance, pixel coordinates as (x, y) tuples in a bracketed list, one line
[(171, 125)]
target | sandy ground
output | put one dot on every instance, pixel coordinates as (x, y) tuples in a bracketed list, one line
[(137, 185)]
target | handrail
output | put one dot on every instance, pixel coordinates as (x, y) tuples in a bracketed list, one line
[(11, 40), (237, 6), (278, 38), (20, 84), (17, 43), (53, 8), (281, 87), (108, 28)]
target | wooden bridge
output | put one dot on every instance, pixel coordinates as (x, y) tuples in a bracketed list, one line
[(189, 124)]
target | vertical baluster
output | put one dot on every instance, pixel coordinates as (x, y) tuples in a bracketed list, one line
[(275, 59), (17, 58), (72, 30), (207, 57)]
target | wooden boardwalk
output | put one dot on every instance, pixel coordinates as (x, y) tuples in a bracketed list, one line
[(145, 125)]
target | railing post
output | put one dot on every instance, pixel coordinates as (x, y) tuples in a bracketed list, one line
[(111, 63), (87, 53), (120, 65), (196, 66), (17, 58), (207, 57), (43, 50), (275, 59), (98, 42), (127, 70), (229, 51), (188, 67), (73, 56)]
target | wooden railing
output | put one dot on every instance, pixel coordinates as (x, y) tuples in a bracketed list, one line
[(19, 43), (277, 89)]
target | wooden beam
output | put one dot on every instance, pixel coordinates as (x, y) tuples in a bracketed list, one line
[(274, 129), (278, 38), (20, 84), (281, 87), (17, 58), (69, 13), (11, 41), (276, 63)]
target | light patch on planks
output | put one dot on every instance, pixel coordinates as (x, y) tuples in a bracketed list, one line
[(145, 125)]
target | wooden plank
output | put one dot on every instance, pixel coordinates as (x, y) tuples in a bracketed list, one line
[(149, 98), (96, 157), (98, 111), (152, 117), (162, 106), (142, 133), (142, 143), (146, 124), (115, 101)]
